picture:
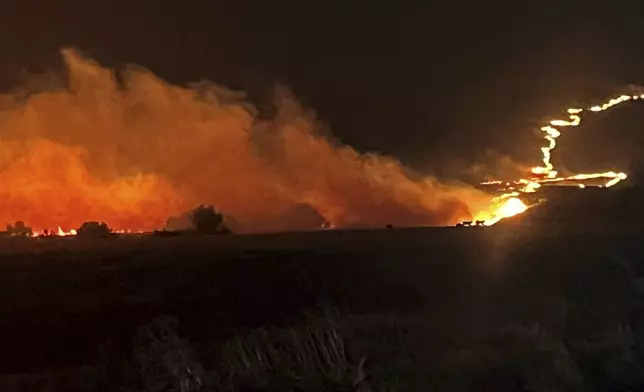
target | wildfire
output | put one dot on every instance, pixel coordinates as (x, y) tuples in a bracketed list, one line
[(131, 150), (504, 206), (509, 204), (511, 207), (59, 232)]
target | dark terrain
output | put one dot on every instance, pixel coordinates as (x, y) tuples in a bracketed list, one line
[(518, 306)]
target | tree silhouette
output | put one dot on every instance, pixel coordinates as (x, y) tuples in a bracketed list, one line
[(94, 229), (206, 220), (19, 229)]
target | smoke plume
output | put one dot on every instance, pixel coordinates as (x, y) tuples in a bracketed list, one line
[(132, 150), (496, 165)]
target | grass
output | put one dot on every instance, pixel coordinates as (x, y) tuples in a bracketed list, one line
[(429, 310), (309, 356)]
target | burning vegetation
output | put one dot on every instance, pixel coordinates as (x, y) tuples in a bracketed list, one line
[(131, 150), (509, 204)]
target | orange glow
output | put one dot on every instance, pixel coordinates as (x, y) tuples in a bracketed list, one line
[(502, 208), (132, 150), (48, 184), (546, 173), (59, 232)]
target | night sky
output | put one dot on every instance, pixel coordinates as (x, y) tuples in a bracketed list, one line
[(438, 85)]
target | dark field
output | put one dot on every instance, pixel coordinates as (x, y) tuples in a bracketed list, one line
[(495, 309)]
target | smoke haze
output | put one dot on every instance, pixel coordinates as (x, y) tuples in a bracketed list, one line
[(132, 150)]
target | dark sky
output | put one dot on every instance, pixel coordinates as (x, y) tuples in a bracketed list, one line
[(433, 83)]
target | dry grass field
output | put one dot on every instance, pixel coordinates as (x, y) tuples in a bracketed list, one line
[(512, 307)]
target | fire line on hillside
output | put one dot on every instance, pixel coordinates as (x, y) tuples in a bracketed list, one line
[(510, 203)]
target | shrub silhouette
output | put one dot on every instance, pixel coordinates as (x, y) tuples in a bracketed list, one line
[(94, 229), (205, 220), (19, 229), (163, 361)]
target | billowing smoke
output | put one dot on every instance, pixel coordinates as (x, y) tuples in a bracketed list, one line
[(496, 165), (132, 150)]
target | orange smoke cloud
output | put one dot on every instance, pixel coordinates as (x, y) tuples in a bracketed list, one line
[(135, 150)]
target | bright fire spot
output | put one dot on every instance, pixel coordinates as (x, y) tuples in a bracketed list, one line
[(503, 208), (59, 232)]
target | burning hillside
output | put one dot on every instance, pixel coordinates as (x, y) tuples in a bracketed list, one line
[(509, 203), (133, 150)]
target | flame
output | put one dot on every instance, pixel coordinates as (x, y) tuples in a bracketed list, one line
[(511, 207), (546, 174), (552, 133), (504, 206), (59, 232)]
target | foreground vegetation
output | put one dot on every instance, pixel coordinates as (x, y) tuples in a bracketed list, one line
[(390, 310)]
